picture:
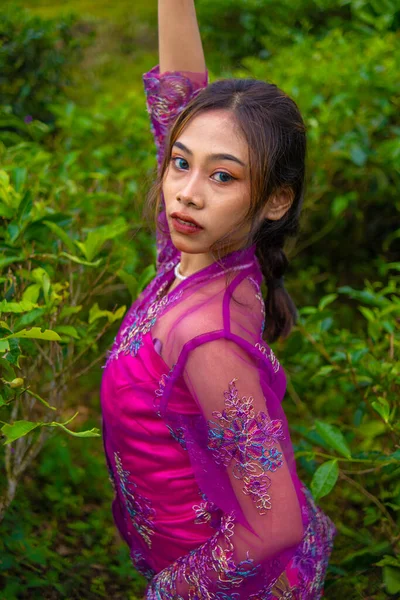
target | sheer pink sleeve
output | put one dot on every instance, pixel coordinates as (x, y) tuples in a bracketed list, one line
[(167, 94), (242, 457)]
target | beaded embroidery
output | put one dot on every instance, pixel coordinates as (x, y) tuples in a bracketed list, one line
[(243, 436), (138, 507)]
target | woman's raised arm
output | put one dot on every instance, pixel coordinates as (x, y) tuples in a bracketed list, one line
[(180, 46)]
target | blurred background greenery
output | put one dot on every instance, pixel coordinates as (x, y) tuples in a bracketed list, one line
[(76, 161)]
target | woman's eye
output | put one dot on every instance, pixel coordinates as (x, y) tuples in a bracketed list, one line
[(180, 163), (224, 177)]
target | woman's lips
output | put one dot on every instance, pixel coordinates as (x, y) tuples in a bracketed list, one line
[(185, 218), (185, 227)]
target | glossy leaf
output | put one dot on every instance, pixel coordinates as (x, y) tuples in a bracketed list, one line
[(324, 479), (333, 437)]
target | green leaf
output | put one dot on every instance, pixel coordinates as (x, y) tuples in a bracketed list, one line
[(323, 371), (35, 333), (130, 282), (390, 561), (61, 234), (8, 260), (16, 307), (145, 277), (67, 330), (367, 313), (324, 479), (42, 400), (333, 437), (382, 407), (96, 313), (31, 294), (391, 579), (327, 300), (95, 432), (79, 261), (4, 346), (97, 238), (18, 430)]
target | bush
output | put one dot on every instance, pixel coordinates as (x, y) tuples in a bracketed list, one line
[(344, 385), (36, 57)]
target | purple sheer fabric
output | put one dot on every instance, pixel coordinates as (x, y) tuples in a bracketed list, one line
[(196, 440)]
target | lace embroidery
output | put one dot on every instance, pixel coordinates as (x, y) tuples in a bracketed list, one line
[(139, 508), (270, 355), (312, 556), (265, 350), (166, 97), (112, 479), (310, 561), (216, 555), (207, 512), (132, 337), (142, 565), (246, 437)]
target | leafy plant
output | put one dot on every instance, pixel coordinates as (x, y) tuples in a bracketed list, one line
[(350, 378)]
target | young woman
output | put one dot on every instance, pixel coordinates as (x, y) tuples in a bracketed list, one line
[(198, 448)]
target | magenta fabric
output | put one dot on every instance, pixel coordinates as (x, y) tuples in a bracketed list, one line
[(195, 436)]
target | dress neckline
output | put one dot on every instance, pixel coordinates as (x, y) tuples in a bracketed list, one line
[(234, 261)]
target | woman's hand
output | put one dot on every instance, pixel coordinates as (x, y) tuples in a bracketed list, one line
[(179, 41)]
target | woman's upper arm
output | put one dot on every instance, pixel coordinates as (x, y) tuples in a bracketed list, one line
[(248, 439), (167, 94)]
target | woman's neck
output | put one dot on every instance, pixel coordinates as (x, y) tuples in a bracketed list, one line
[(191, 263)]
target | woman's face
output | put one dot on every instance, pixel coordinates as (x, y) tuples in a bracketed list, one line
[(207, 179)]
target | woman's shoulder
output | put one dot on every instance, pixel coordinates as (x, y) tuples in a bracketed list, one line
[(221, 309)]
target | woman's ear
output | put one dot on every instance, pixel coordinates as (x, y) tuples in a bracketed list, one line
[(278, 204)]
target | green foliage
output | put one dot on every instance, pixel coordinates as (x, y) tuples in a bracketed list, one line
[(74, 252), (235, 29), (350, 378), (35, 60), (58, 538)]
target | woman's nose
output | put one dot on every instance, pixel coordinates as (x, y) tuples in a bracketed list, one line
[(191, 192)]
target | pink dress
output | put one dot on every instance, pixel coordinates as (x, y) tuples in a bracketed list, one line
[(196, 440)]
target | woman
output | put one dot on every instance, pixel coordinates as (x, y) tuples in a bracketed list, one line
[(197, 444)]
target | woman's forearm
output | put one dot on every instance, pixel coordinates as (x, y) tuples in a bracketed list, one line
[(180, 46)]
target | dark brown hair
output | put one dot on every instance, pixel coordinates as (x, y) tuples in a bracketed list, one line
[(272, 125)]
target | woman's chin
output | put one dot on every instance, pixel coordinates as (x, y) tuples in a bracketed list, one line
[(188, 246)]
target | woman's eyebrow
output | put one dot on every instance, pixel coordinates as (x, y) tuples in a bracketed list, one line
[(221, 156)]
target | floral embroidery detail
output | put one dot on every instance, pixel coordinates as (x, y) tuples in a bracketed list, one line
[(178, 436), (312, 556), (132, 337), (262, 303), (266, 351), (166, 97), (141, 564), (178, 433), (207, 512), (112, 479), (243, 436), (216, 555), (283, 590), (139, 508)]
